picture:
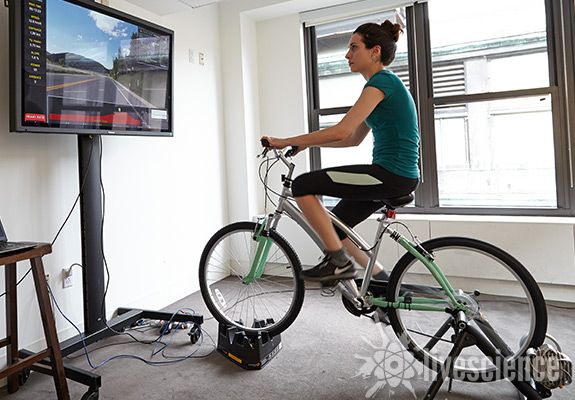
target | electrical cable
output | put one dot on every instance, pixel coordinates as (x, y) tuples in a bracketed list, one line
[(102, 306), (263, 180), (104, 319), (67, 217), (77, 265), (170, 361), (266, 197), (79, 194), (20, 280), (141, 329)]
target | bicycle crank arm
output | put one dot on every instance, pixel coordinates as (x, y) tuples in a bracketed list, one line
[(349, 289)]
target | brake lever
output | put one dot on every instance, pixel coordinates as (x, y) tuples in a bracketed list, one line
[(263, 153), (292, 151)]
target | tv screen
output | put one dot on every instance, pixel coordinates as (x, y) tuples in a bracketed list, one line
[(80, 67)]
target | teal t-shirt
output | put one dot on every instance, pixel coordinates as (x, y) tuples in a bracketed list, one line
[(394, 126)]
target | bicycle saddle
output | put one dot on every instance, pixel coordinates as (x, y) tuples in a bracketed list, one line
[(396, 202)]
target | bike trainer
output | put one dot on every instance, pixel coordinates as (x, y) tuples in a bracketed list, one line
[(249, 351)]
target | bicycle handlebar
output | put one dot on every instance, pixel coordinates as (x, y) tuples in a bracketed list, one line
[(266, 145)]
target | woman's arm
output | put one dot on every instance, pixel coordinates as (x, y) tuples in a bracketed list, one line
[(344, 132), (354, 140)]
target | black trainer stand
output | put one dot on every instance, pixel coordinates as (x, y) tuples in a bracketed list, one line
[(93, 278), (248, 351), (467, 336)]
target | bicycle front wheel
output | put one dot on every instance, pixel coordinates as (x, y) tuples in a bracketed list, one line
[(504, 302), (269, 302)]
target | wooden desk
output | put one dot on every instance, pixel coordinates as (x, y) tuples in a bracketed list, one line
[(14, 364)]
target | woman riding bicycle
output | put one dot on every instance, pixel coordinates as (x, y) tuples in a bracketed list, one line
[(386, 107)]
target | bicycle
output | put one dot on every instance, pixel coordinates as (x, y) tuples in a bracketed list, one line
[(250, 279)]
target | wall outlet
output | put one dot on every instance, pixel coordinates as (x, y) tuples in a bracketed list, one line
[(202, 58), (67, 280)]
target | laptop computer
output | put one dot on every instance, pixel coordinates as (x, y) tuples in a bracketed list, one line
[(7, 247)]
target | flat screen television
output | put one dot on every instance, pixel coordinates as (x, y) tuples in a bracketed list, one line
[(83, 68)]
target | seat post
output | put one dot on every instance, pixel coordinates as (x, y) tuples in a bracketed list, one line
[(377, 243)]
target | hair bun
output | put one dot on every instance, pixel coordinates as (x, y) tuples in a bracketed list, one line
[(392, 29)]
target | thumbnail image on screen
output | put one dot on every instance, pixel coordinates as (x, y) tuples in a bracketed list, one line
[(89, 70)]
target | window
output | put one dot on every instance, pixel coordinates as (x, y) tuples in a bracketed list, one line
[(495, 153), (491, 80), (498, 45)]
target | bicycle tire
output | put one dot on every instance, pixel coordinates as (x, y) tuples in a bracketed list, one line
[(408, 271), (282, 272)]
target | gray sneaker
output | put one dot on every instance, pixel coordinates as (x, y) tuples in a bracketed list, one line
[(326, 271)]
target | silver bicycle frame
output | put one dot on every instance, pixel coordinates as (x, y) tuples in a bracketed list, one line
[(285, 205)]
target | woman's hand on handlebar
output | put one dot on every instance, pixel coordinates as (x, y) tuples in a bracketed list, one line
[(273, 143), (277, 143)]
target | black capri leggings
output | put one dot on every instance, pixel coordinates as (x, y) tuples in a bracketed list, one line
[(361, 188)]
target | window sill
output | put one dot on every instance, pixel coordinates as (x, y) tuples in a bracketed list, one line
[(483, 218)]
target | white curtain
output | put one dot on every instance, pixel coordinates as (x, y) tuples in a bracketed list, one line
[(350, 10)]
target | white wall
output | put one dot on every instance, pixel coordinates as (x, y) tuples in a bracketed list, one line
[(164, 196), (241, 42), (283, 108)]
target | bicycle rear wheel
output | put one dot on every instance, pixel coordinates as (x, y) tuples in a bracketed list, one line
[(269, 303), (505, 304)]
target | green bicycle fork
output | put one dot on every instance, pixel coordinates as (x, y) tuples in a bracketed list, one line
[(264, 244)]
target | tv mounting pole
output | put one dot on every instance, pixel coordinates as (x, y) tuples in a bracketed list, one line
[(93, 285)]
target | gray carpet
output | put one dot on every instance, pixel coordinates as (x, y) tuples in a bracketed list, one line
[(327, 354)]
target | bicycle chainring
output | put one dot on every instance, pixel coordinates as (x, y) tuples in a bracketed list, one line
[(353, 310)]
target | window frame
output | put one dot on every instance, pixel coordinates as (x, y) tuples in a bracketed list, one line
[(560, 49)]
